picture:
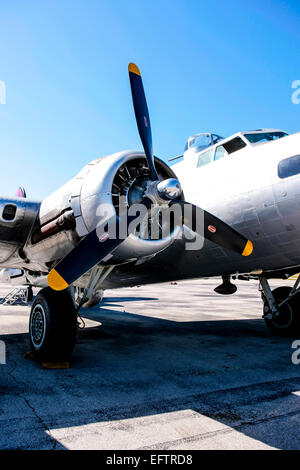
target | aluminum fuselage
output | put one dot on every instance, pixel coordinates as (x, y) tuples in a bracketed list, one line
[(245, 191)]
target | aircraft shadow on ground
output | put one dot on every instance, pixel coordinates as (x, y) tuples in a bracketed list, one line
[(133, 366)]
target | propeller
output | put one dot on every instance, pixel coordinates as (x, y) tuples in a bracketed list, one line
[(215, 229), (142, 116), (93, 248)]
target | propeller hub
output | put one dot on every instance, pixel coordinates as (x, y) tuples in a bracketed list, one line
[(163, 192), (169, 189)]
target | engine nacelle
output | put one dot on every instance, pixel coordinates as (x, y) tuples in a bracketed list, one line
[(17, 217), (99, 183), (100, 187)]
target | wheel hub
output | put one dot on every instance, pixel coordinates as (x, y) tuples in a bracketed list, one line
[(38, 324), (284, 317)]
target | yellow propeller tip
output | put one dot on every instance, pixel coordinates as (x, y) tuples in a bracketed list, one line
[(134, 69), (248, 248), (56, 281)]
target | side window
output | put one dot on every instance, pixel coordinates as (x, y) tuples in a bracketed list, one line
[(220, 152), (205, 158), (229, 147), (289, 167)]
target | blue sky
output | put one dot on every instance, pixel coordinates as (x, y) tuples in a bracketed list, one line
[(220, 66)]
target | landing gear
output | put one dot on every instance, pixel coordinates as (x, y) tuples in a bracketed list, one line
[(53, 325), (29, 294), (281, 308), (93, 293), (94, 299)]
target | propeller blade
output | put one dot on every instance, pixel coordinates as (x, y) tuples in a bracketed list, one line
[(142, 116), (216, 230), (86, 254), (90, 251)]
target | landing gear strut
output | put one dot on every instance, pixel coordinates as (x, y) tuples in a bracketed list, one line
[(92, 294), (281, 308), (53, 325)]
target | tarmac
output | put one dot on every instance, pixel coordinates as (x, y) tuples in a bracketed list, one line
[(162, 367)]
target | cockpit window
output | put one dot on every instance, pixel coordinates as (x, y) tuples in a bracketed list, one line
[(205, 157), (200, 142), (220, 152), (264, 136), (229, 147), (289, 167)]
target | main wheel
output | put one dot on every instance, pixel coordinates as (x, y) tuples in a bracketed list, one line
[(53, 325), (287, 323)]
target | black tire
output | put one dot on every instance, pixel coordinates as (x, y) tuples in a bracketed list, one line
[(288, 322), (53, 325)]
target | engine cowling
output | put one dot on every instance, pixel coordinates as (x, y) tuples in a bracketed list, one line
[(99, 183), (17, 217), (111, 178)]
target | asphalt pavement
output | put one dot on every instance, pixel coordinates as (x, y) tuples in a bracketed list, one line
[(166, 366)]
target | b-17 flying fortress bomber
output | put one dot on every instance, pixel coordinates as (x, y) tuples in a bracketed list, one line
[(227, 207)]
